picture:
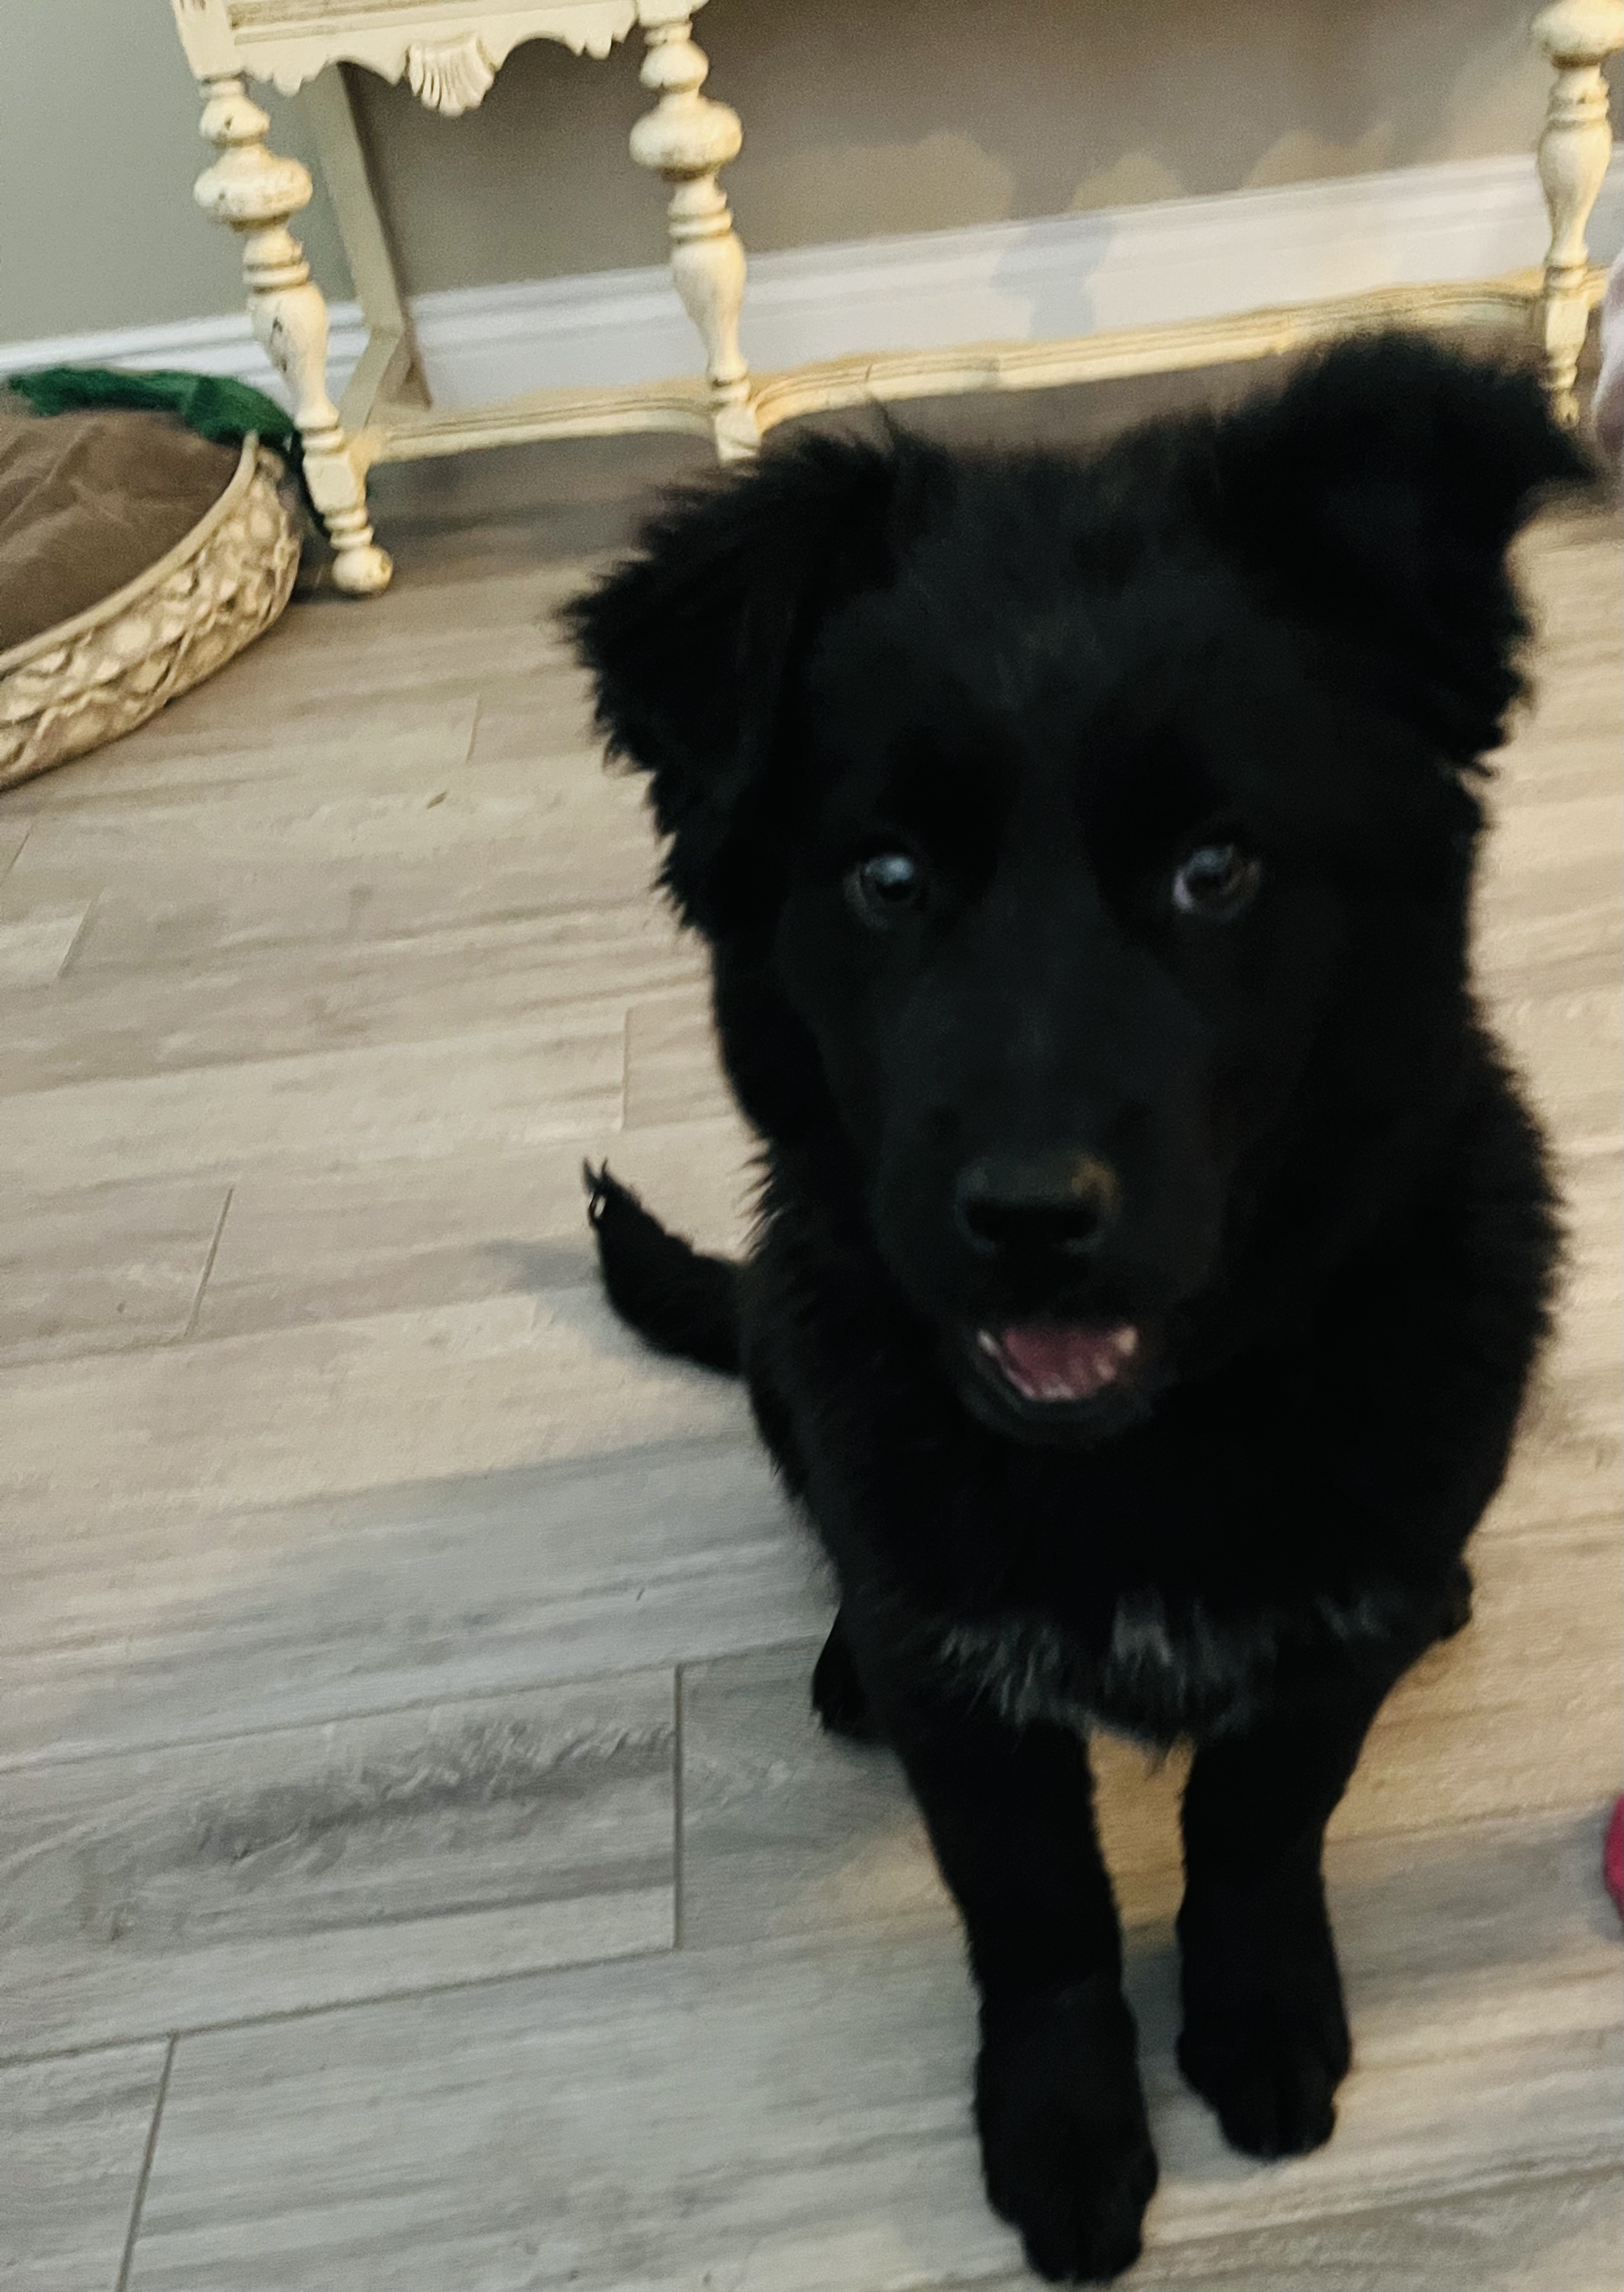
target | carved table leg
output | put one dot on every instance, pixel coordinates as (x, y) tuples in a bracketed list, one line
[(1574, 149), (255, 192), (685, 139)]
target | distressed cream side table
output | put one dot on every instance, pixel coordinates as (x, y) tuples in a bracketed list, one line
[(449, 52)]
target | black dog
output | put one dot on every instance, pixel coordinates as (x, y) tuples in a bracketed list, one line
[(1153, 1247)]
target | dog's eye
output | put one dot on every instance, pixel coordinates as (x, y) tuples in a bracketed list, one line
[(885, 886), (1216, 881)]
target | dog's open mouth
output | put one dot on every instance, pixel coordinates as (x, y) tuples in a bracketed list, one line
[(1066, 1383), (1054, 1363)]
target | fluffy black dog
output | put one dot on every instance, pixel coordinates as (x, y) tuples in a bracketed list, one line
[(1153, 1246)]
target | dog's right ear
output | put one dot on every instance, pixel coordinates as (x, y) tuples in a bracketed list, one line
[(691, 639)]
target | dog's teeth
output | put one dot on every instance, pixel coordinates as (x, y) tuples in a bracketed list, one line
[(987, 1342), (1125, 1343)]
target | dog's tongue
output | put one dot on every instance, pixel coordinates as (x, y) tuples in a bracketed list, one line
[(1062, 1360)]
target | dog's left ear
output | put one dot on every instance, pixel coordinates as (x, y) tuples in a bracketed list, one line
[(1377, 495), (692, 638)]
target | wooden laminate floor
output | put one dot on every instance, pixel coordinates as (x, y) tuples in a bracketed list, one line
[(418, 1867)]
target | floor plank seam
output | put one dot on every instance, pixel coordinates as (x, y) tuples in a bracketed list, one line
[(509, 923), (138, 2203), (597, 1010), (91, 2050), (78, 941), (208, 1267), (334, 2006), (678, 1696)]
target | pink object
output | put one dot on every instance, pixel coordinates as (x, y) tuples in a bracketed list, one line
[(1612, 1858)]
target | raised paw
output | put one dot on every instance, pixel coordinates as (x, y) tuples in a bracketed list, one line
[(1264, 2037), (1065, 2142)]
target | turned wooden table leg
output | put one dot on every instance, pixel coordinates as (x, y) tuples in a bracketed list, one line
[(255, 192), (685, 139), (1577, 36)]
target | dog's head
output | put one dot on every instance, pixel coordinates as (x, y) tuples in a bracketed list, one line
[(1085, 843)]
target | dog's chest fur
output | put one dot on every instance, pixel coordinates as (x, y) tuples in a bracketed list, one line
[(1160, 1678)]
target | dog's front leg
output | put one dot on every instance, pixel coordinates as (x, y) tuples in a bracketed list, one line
[(1265, 2037), (1065, 2142)]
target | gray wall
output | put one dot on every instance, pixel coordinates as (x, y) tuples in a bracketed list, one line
[(98, 151), (861, 116)]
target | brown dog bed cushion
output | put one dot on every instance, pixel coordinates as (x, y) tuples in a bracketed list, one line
[(87, 501)]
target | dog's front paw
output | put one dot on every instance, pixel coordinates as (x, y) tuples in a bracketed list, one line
[(1065, 2143), (1264, 2037)]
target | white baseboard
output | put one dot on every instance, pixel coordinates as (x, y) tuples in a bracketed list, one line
[(223, 345), (1067, 275)]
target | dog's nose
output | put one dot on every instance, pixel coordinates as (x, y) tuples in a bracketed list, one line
[(1058, 1205)]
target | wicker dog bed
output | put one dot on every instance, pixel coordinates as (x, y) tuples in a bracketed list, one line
[(108, 668)]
